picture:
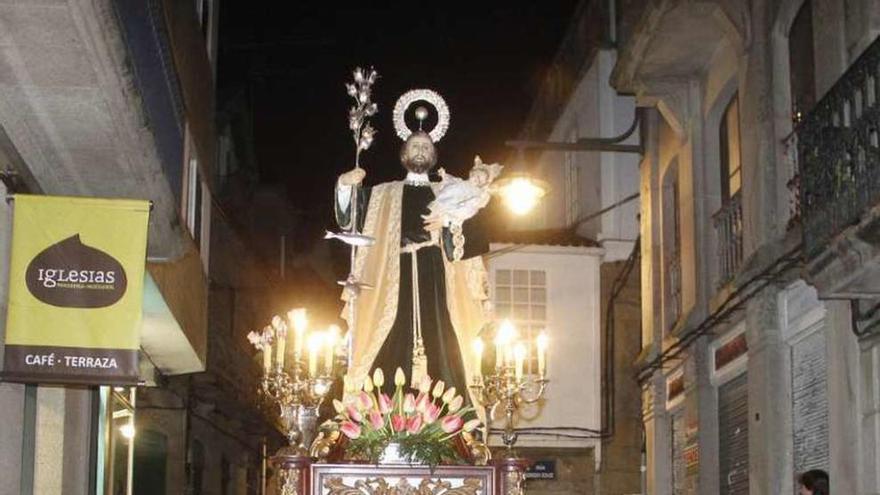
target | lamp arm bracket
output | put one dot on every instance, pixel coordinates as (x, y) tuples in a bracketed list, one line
[(610, 144)]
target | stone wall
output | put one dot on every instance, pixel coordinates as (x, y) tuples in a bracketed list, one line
[(620, 471), (575, 472)]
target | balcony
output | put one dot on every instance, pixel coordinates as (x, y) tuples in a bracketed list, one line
[(728, 222), (839, 160)]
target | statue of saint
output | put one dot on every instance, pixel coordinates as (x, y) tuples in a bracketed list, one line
[(429, 294)]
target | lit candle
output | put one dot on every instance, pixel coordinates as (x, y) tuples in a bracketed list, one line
[(314, 344), (280, 339), (478, 357), (506, 334), (268, 335), (297, 317), (267, 356), (530, 348), (331, 338), (520, 357), (542, 354)]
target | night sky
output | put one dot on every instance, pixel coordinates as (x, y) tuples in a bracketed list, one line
[(486, 60)]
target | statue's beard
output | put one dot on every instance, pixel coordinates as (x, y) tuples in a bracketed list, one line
[(419, 167)]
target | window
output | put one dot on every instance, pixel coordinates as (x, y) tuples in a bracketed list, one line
[(800, 63), (196, 201), (521, 297), (728, 219), (671, 246), (731, 159)]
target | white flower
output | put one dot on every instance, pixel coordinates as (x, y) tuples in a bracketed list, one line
[(378, 377)]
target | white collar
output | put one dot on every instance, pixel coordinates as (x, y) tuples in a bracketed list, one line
[(414, 179)]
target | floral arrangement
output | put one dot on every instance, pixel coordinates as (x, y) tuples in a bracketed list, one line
[(424, 422)]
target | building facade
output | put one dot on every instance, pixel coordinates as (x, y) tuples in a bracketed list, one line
[(759, 352), (592, 201), (116, 99)]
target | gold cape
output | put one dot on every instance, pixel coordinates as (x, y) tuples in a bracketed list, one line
[(379, 265)]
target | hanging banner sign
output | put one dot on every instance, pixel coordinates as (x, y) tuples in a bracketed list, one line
[(75, 290)]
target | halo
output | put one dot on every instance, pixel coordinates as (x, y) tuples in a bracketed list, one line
[(414, 95)]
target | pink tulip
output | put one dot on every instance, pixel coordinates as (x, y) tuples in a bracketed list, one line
[(354, 414), (398, 422), (364, 401), (422, 402), (376, 420), (414, 425), (432, 412), (351, 430), (409, 404), (450, 423), (385, 404)]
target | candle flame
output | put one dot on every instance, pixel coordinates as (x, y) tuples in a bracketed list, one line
[(298, 319), (315, 340), (506, 333), (542, 341)]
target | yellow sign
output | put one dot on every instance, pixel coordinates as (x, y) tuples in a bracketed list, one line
[(75, 290)]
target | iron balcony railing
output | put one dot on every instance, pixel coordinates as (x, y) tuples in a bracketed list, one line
[(729, 229), (839, 153)]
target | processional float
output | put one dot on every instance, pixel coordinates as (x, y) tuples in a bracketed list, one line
[(404, 442)]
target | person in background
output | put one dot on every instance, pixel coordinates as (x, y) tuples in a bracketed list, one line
[(813, 482)]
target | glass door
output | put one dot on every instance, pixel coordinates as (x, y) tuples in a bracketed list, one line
[(116, 434)]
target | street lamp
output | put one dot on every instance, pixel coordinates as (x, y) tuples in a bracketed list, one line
[(521, 192)]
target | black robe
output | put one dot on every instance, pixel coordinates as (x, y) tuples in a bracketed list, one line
[(441, 345)]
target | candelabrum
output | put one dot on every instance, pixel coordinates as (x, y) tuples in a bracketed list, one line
[(508, 385), (298, 397), (299, 383), (504, 389)]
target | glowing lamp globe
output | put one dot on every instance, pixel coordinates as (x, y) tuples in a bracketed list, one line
[(521, 193)]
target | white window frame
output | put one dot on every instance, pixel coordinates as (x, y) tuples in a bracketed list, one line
[(194, 186), (528, 328)]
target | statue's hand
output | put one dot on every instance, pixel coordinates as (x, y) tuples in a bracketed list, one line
[(432, 222), (353, 177)]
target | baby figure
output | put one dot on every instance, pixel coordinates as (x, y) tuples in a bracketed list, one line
[(457, 200)]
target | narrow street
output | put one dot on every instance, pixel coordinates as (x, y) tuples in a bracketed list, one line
[(575, 247)]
